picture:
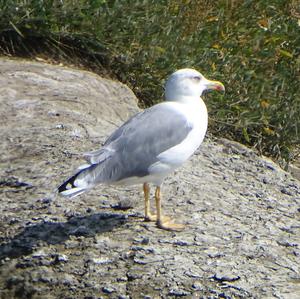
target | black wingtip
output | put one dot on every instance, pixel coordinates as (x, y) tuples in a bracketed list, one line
[(70, 183)]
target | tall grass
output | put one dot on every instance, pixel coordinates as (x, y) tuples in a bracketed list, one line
[(253, 47)]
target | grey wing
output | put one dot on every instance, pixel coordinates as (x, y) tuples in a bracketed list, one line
[(97, 156), (102, 154), (134, 147)]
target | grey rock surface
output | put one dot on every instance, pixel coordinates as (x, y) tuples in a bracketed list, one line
[(241, 211)]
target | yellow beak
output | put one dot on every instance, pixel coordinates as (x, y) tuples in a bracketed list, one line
[(215, 85)]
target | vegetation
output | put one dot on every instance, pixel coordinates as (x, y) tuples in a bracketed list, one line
[(253, 47)]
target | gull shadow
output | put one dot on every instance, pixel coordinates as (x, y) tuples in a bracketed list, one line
[(58, 232)]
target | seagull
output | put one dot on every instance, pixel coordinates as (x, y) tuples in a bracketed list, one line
[(151, 144)]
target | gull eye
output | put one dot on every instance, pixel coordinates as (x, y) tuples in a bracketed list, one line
[(197, 78)]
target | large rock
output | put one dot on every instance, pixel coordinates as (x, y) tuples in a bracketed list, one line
[(241, 210)]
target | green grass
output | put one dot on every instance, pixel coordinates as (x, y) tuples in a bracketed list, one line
[(253, 47)]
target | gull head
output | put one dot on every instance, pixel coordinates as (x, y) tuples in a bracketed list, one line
[(189, 83)]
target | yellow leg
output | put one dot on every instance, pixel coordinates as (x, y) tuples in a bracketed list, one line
[(148, 215), (158, 206), (161, 221)]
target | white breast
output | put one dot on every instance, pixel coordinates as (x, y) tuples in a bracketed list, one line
[(196, 114)]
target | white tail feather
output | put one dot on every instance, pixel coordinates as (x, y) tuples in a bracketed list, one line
[(70, 193)]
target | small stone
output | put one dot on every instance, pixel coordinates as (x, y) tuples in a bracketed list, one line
[(71, 244), (296, 253), (270, 166), (284, 190), (192, 274), (178, 293), (13, 221), (46, 200), (266, 181), (88, 284), (123, 204), (101, 261), (59, 126), (197, 286), (133, 276), (259, 194), (145, 241), (71, 215), (140, 260), (287, 243), (61, 258), (68, 280), (181, 243), (39, 254), (89, 210), (108, 290), (225, 277), (215, 254), (142, 241)]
